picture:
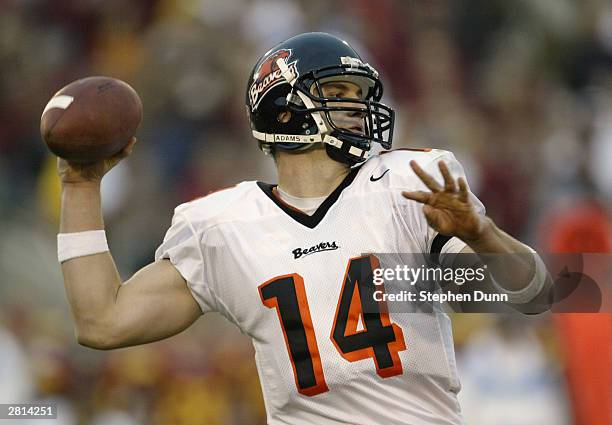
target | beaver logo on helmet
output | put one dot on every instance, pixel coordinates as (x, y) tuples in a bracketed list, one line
[(268, 75)]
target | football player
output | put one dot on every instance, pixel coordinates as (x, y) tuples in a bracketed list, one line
[(289, 263)]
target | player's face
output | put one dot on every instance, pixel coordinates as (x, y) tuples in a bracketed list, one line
[(353, 121)]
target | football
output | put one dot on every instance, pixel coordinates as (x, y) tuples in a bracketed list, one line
[(91, 119)]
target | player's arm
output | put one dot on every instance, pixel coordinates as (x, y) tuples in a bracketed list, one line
[(449, 211), (154, 304)]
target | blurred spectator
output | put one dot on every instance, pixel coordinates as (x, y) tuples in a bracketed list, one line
[(16, 383), (507, 378), (585, 225)]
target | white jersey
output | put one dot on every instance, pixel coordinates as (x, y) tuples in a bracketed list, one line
[(288, 281)]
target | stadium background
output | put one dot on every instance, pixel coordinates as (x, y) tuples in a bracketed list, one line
[(521, 91)]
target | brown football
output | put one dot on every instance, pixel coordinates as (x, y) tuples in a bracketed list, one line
[(91, 119)]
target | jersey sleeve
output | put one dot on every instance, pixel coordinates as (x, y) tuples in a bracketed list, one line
[(182, 247), (406, 179)]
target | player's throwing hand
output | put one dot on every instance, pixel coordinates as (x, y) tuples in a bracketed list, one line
[(70, 172), (448, 209)]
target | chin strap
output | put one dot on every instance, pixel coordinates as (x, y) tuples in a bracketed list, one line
[(287, 138), (307, 140)]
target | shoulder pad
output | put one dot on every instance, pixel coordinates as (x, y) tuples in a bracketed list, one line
[(398, 160), (220, 205)]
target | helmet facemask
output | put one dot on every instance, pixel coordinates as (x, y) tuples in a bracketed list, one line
[(306, 98)]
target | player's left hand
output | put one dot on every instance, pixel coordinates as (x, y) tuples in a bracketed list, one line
[(448, 209)]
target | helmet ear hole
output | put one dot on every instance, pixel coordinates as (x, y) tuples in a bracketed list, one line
[(284, 117)]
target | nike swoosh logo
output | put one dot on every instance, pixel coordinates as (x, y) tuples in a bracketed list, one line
[(373, 179)]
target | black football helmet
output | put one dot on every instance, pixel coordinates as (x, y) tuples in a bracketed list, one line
[(284, 80)]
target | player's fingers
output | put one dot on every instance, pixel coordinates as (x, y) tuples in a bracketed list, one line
[(425, 178), (419, 196), (463, 190), (127, 150), (132, 142), (449, 181), (123, 153)]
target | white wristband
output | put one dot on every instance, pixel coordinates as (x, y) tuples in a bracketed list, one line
[(80, 244), (529, 292)]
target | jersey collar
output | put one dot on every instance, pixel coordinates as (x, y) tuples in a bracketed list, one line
[(310, 221)]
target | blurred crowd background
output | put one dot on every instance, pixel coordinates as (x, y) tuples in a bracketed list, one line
[(521, 91)]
